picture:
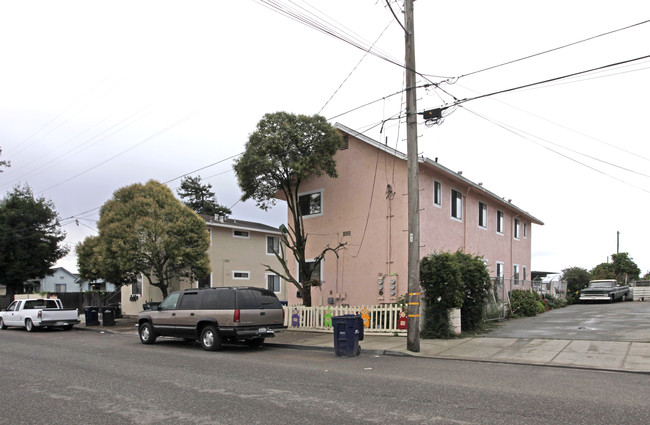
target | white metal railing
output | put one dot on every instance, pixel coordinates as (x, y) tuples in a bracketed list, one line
[(380, 319)]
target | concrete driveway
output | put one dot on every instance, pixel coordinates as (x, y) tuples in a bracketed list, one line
[(621, 321)]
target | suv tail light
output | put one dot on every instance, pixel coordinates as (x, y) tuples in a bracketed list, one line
[(236, 315), (40, 314)]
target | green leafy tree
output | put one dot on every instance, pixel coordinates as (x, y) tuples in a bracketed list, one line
[(603, 271), (576, 279), (30, 238), (145, 229), (625, 267), (476, 279), (89, 259), (441, 278), (283, 152), (457, 280), (199, 198)]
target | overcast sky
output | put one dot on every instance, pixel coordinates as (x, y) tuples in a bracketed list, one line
[(99, 95)]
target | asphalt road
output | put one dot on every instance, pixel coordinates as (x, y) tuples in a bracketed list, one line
[(57, 377), (620, 321)]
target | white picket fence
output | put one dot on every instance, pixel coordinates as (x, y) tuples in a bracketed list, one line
[(377, 319)]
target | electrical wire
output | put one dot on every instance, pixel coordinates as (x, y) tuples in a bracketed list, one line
[(554, 49), (353, 69), (551, 80), (522, 135)]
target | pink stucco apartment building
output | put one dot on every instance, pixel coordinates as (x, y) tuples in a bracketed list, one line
[(366, 207)]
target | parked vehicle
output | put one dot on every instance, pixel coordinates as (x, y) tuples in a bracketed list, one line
[(37, 313), (604, 290), (214, 316)]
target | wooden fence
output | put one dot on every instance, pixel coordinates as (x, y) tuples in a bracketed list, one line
[(377, 319)]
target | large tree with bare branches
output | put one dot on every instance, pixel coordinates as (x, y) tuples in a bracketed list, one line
[(284, 151)]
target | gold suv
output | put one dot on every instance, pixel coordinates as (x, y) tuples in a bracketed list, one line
[(214, 316)]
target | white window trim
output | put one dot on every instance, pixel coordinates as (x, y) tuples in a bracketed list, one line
[(525, 230), (248, 275), (503, 222), (451, 206), (322, 204), (439, 205), (487, 215), (516, 281), (496, 269), (266, 245), (248, 234), (266, 280), (516, 229)]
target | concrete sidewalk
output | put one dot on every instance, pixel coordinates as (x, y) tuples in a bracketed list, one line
[(600, 355)]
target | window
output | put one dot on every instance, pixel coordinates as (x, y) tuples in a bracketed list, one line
[(516, 229), (240, 275), (204, 282), (273, 282), (310, 203), (500, 271), (515, 273), (437, 193), (59, 287), (523, 276), (456, 204), (314, 270), (500, 222), (170, 302), (136, 287), (272, 244), (216, 299), (241, 234), (482, 215), (190, 301), (525, 230), (12, 306)]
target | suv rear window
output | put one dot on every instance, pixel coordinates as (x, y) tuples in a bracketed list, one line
[(217, 299), (257, 299)]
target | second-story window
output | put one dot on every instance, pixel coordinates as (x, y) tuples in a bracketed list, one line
[(516, 229), (482, 215), (310, 203), (500, 222), (437, 193), (456, 204), (272, 245), (241, 234)]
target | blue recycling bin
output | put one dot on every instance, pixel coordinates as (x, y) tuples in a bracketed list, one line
[(92, 315), (348, 331)]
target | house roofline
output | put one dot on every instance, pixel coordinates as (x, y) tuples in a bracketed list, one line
[(434, 164), (229, 223)]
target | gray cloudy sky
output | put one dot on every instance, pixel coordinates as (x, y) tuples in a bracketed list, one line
[(98, 95)]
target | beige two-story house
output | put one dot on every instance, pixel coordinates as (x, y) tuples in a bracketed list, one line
[(238, 249)]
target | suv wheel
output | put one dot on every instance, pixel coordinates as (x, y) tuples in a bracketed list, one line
[(210, 339), (147, 335), (2, 324)]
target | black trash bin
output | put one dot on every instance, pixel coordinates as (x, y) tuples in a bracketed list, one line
[(92, 315), (348, 331), (108, 316)]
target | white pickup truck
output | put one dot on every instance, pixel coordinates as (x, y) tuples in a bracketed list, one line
[(36, 313)]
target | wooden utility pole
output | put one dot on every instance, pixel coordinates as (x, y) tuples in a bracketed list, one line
[(413, 335)]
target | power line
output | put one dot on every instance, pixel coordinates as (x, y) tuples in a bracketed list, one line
[(611, 145), (519, 133), (554, 49), (550, 80)]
